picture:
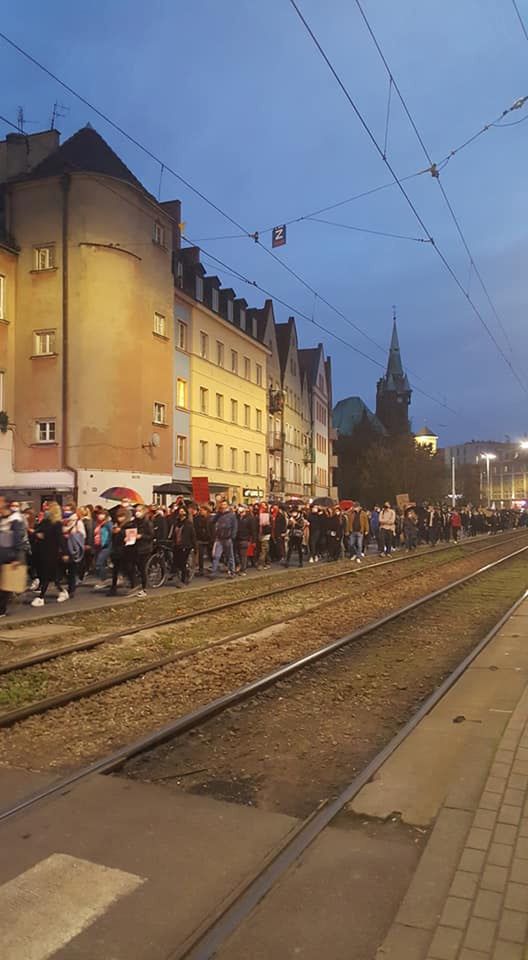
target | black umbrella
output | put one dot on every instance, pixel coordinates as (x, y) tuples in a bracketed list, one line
[(323, 502)]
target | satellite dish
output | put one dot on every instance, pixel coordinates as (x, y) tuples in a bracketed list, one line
[(155, 440)]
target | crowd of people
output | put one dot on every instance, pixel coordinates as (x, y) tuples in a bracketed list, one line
[(64, 545)]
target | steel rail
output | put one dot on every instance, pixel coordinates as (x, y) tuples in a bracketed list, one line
[(199, 716), (39, 707), (46, 656)]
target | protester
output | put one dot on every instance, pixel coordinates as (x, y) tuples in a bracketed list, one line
[(138, 537), (12, 546), (224, 534), (102, 544), (387, 528), (184, 543), (359, 529)]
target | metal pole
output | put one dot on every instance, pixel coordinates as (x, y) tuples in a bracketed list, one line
[(489, 482), (453, 483)]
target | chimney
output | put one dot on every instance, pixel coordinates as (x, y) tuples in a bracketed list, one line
[(21, 152)]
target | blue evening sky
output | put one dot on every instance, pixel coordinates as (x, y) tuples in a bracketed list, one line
[(235, 97)]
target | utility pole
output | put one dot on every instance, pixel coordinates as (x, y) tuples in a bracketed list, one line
[(453, 483)]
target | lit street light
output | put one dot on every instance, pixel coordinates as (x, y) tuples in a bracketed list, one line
[(524, 444), (488, 457)]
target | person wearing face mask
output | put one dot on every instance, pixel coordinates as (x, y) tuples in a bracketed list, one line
[(387, 527), (48, 535), (184, 542), (138, 547), (12, 545), (102, 541)]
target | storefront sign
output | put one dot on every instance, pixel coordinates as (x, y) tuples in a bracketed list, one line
[(249, 492)]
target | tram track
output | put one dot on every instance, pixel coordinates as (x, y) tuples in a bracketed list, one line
[(214, 708), (62, 698)]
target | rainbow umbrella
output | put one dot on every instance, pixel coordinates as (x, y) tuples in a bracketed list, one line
[(122, 493)]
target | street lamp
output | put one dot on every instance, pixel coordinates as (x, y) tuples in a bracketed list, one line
[(524, 444), (487, 457)]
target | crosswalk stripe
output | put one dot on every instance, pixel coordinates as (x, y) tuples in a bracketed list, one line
[(51, 903)]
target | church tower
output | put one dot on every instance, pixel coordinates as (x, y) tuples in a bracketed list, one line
[(393, 394)]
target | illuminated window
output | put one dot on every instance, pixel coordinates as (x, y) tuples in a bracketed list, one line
[(46, 431), (203, 453), (181, 449), (160, 325), (160, 412), (181, 393), (199, 289), (258, 373), (204, 400), (44, 258), (204, 345), (220, 353), (44, 343)]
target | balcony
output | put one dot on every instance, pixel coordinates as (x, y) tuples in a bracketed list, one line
[(309, 455), (275, 442), (275, 400)]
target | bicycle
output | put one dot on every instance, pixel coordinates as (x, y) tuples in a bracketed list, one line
[(160, 565)]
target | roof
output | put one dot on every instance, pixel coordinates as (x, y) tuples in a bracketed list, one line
[(309, 362), (348, 413), (395, 378), (426, 432), (283, 333), (85, 151)]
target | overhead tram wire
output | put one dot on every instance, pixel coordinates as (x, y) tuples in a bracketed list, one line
[(406, 196), (300, 313), (443, 163), (232, 271), (203, 197), (521, 21)]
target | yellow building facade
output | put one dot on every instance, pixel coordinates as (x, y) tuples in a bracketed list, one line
[(226, 400)]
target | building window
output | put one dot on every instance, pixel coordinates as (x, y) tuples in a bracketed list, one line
[(181, 393), (2, 296), (199, 289), (160, 412), (234, 411), (203, 453), (181, 335), (246, 461), (214, 299), (258, 463), (44, 343), (247, 415), (242, 318), (158, 234), (234, 361), (204, 400), (247, 368), (258, 374), (230, 311), (220, 406), (46, 431), (204, 345), (44, 258), (219, 456), (160, 325), (258, 415), (233, 459), (220, 353), (181, 449)]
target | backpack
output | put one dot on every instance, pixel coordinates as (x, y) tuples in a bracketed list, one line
[(76, 546)]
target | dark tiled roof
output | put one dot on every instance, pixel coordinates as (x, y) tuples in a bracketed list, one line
[(85, 151), (348, 414), (283, 332), (309, 362)]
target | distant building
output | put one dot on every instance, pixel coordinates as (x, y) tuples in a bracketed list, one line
[(317, 378), (427, 439), (350, 413), (393, 394)]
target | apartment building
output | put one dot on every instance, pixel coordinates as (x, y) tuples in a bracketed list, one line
[(317, 383), (220, 383), (91, 402), (296, 425), (8, 262)]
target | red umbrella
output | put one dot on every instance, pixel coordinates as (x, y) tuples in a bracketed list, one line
[(122, 493)]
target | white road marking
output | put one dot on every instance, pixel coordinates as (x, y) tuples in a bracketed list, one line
[(47, 906)]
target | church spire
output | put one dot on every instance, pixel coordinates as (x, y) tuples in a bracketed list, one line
[(394, 365), (393, 394)]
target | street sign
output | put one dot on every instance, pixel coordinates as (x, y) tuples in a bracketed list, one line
[(200, 489), (278, 236)]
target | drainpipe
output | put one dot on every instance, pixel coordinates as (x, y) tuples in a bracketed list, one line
[(65, 187)]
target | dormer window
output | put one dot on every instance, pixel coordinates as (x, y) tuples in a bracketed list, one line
[(199, 289), (242, 319), (230, 311), (214, 299)]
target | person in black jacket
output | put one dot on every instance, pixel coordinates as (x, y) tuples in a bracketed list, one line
[(138, 547), (204, 530), (12, 545), (48, 534), (246, 534), (184, 542), (159, 524), (117, 551), (296, 535)]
